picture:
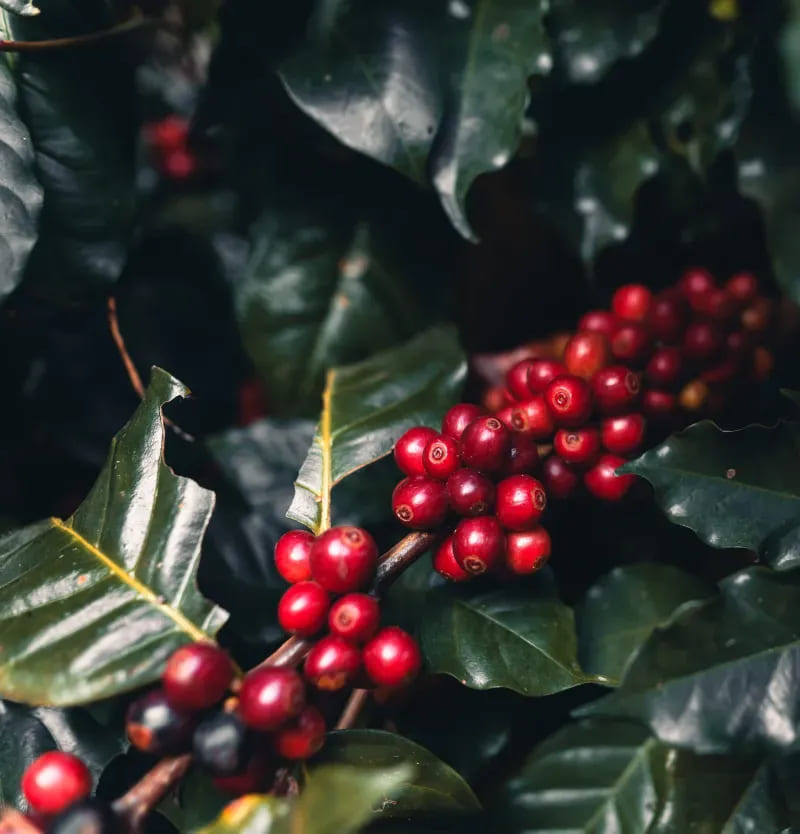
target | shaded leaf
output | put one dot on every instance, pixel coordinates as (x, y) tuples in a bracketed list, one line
[(93, 606), (199, 802)]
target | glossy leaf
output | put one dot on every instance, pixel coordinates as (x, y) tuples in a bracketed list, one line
[(733, 488), (428, 787), (621, 610), (426, 90), (521, 638), (22, 7), (722, 674), (367, 406), (92, 606)]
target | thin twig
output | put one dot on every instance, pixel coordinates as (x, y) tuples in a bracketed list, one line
[(133, 806), (399, 557), (352, 709)]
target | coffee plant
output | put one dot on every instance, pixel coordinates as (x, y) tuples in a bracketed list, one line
[(482, 513)]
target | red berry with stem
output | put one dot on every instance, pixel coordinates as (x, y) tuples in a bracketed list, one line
[(517, 379), (521, 500), (155, 726), (270, 696), (344, 559), (665, 367), (354, 617), (470, 493), (615, 389), (392, 658), (578, 447), (532, 417), (410, 449), (419, 503), (528, 551), (302, 737), (291, 555), (459, 417), (722, 372), (721, 305), (658, 405), (569, 399), (602, 481), (668, 317), (599, 321), (542, 373), (169, 133), (523, 456), (179, 164), (332, 663), (197, 676), (55, 781), (445, 564), (743, 287), (631, 344), (702, 341), (696, 285), (479, 544), (303, 609), (441, 457), (623, 435), (586, 353), (560, 479), (632, 302), (485, 444)]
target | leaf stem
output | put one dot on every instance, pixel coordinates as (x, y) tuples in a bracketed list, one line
[(355, 703), (133, 806), (327, 463)]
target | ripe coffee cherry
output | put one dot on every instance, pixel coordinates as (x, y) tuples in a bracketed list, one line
[(756, 317), (578, 447), (668, 317), (615, 389), (632, 302), (517, 379), (631, 344), (343, 559), (222, 744), (410, 448), (560, 479), (743, 287), (354, 617), (531, 417), (528, 551), (722, 372), (441, 457), (54, 781), (569, 399), (598, 321), (721, 305), (623, 435), (702, 341), (542, 373), (586, 353), (601, 481), (270, 696), (303, 737), (251, 779), (657, 405), (155, 726), (523, 456), (694, 395), (696, 285), (494, 398), (291, 555), (88, 817), (444, 563), (521, 500), (485, 444), (303, 609), (197, 676), (665, 367), (179, 164), (392, 657), (458, 418), (420, 503), (737, 343), (332, 664), (479, 543), (470, 492)]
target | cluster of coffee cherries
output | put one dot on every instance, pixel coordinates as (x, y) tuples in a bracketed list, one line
[(329, 575), (168, 145)]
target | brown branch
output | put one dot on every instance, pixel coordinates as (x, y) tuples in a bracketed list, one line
[(403, 554), (133, 806), (352, 709)]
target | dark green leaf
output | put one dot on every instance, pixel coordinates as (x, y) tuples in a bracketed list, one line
[(733, 488), (621, 610), (723, 673), (367, 406), (199, 803), (93, 606), (521, 638)]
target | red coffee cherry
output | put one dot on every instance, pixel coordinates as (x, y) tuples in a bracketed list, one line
[(696, 286), (470, 493), (302, 737), (251, 780), (303, 609), (578, 447), (270, 696), (479, 544), (623, 435), (410, 448), (179, 164), (197, 676), (528, 551), (523, 456), (632, 302), (441, 457), (459, 417), (763, 363), (665, 367), (599, 321), (569, 399), (631, 344), (343, 559), (521, 500), (615, 389), (560, 480), (542, 373), (668, 317), (392, 658), (702, 341), (156, 727), (743, 287), (601, 481), (756, 317), (517, 379), (168, 134), (485, 444), (444, 563), (721, 305), (55, 781), (586, 353), (420, 503), (494, 398), (354, 617), (657, 405), (737, 343), (531, 417), (332, 664), (291, 555)]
